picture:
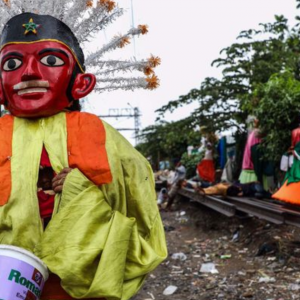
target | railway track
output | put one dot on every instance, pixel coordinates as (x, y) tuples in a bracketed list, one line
[(270, 210)]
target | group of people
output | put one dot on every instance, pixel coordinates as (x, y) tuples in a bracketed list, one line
[(256, 178), (255, 169)]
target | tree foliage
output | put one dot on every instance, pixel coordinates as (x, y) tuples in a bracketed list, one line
[(278, 112), (260, 76), (167, 140), (190, 162), (225, 103)]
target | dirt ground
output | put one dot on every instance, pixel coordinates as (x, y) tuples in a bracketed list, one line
[(252, 259)]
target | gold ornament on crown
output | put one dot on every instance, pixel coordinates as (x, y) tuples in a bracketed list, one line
[(89, 3), (7, 2), (108, 4), (143, 28), (153, 82), (86, 18)]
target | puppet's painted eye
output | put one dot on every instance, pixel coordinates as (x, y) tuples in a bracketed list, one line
[(52, 61), (12, 64)]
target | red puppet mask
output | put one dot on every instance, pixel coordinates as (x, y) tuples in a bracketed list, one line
[(36, 76), (42, 66)]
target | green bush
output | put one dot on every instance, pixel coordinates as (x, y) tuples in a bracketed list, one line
[(277, 110), (190, 163)]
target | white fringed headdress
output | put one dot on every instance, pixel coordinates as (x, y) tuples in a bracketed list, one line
[(86, 19)]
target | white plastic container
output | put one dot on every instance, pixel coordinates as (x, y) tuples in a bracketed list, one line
[(22, 274)]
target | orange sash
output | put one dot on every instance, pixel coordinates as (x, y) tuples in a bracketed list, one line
[(6, 133), (86, 149)]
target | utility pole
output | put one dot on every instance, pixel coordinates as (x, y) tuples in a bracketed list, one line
[(137, 123), (132, 112)]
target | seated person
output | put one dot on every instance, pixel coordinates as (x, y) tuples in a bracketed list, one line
[(173, 192), (162, 197)]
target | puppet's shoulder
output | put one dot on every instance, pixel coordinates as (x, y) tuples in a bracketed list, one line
[(118, 144), (86, 127), (6, 127), (6, 120)]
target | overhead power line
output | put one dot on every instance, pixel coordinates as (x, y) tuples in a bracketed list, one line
[(132, 112)]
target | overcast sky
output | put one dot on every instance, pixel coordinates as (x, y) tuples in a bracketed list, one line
[(187, 35)]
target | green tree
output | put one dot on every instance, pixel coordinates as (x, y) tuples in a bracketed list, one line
[(260, 74), (167, 140), (190, 163), (278, 111), (225, 103)]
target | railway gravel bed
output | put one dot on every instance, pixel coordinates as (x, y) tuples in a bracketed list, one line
[(212, 257)]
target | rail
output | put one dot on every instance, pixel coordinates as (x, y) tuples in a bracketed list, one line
[(272, 211)]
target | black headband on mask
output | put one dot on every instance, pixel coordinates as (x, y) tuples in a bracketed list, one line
[(29, 28)]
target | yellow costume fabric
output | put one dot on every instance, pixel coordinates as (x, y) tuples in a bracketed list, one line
[(101, 241)]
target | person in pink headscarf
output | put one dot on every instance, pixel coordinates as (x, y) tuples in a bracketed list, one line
[(248, 173)]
